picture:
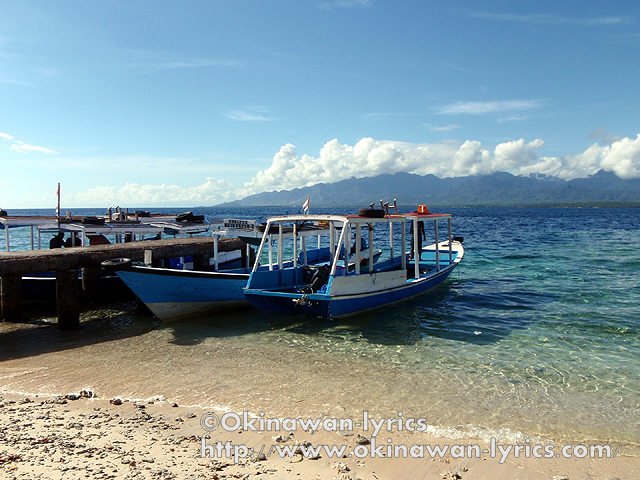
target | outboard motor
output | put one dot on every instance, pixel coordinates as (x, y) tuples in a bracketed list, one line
[(319, 278)]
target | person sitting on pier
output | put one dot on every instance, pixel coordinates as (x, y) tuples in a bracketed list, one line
[(57, 241), (72, 241)]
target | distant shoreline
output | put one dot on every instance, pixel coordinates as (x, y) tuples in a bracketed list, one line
[(404, 207), (541, 205)]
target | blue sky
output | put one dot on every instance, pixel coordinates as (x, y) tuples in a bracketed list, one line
[(180, 103)]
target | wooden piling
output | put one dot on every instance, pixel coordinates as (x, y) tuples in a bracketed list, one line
[(11, 297), (244, 261), (90, 283), (68, 299)]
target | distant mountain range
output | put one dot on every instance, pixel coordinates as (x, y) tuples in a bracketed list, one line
[(497, 189)]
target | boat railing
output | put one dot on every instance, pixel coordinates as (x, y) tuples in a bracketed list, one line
[(339, 253)]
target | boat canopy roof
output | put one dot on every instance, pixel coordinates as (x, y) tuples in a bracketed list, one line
[(150, 225), (394, 217)]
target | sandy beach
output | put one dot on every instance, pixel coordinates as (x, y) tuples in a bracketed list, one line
[(73, 436)]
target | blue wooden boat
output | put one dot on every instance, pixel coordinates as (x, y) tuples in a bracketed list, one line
[(341, 286), (171, 293)]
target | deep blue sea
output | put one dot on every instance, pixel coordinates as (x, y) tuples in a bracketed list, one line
[(535, 335)]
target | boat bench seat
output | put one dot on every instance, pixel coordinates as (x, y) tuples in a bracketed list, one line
[(387, 265)]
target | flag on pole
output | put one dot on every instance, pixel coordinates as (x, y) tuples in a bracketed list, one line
[(58, 207), (305, 206)]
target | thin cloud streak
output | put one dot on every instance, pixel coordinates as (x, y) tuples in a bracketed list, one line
[(22, 147), (444, 128), (144, 62), (246, 117), (347, 4), (546, 19), (194, 64), (482, 108)]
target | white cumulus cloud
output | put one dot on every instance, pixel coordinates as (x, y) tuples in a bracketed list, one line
[(211, 192), (622, 157), (369, 157)]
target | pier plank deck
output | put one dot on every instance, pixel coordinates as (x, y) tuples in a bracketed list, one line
[(67, 261), (38, 261)]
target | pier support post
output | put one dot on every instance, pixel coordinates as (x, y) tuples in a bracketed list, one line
[(91, 283), (244, 260), (11, 294), (201, 262), (68, 299)]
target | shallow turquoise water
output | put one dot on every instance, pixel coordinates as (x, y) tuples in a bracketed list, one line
[(537, 333)]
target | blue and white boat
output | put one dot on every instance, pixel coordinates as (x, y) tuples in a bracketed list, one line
[(341, 286)]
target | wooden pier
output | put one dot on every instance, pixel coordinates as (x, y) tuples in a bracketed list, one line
[(66, 262)]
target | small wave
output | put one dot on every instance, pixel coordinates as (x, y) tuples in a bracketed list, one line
[(21, 373), (10, 391), (470, 431)]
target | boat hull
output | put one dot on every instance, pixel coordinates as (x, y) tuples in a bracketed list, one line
[(172, 294), (342, 305)]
